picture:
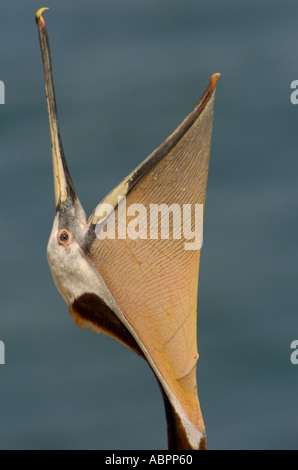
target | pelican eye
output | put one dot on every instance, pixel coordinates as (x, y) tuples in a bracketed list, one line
[(63, 237)]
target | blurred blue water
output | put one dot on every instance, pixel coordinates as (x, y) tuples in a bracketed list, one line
[(126, 74)]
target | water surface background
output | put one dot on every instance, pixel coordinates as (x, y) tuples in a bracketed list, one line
[(126, 74)]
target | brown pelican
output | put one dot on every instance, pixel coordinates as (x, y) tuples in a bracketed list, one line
[(140, 289)]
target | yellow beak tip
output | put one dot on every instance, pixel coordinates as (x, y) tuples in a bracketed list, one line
[(39, 13), (213, 80)]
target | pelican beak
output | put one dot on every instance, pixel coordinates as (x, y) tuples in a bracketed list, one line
[(63, 185)]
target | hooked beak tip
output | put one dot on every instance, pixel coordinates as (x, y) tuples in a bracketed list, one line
[(214, 79), (38, 17)]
